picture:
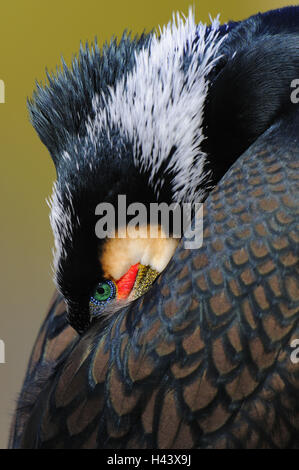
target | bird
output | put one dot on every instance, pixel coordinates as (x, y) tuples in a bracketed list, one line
[(148, 344)]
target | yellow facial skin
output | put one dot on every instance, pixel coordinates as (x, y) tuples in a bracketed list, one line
[(119, 254)]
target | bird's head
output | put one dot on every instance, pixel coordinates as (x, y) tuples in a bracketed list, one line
[(124, 121), (99, 267)]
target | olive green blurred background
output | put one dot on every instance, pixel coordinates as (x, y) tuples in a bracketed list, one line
[(33, 36)]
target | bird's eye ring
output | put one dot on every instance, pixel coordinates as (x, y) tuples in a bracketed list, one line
[(103, 294)]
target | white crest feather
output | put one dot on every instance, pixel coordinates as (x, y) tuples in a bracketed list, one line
[(159, 107), (62, 226)]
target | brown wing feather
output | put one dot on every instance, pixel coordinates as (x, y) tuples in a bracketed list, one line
[(203, 359)]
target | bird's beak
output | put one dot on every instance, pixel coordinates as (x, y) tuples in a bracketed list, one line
[(144, 279), (136, 281)]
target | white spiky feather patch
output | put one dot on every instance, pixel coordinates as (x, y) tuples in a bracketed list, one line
[(62, 226), (157, 106)]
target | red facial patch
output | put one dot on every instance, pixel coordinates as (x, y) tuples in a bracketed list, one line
[(126, 282)]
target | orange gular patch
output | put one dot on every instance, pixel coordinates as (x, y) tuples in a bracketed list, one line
[(126, 283)]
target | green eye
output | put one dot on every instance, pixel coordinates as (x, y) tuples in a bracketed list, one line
[(103, 292)]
